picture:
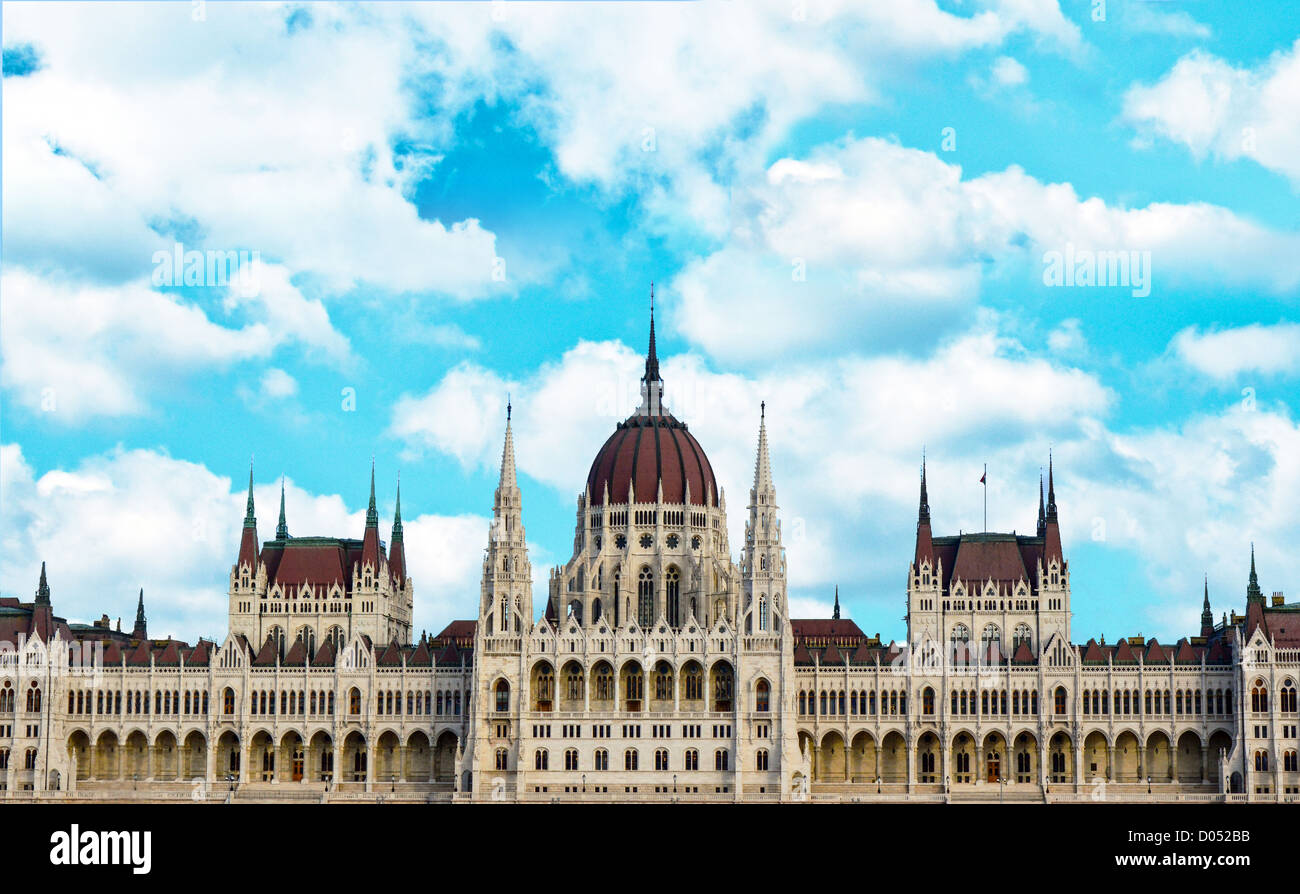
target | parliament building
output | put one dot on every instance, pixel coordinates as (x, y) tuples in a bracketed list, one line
[(660, 668)]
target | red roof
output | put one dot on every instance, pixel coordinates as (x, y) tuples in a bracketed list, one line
[(642, 452)]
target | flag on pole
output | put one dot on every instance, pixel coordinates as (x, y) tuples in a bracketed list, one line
[(983, 479)]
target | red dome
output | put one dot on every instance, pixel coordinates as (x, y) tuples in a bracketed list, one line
[(645, 450)]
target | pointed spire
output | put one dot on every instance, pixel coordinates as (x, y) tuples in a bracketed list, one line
[(397, 514), (43, 589), (652, 356), (1253, 592), (1042, 517), (141, 630), (836, 614), (1050, 515), (372, 515), (249, 520), (763, 462), (282, 529), (1207, 617), (923, 512), (508, 475)]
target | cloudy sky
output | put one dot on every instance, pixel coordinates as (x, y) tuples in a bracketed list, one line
[(849, 210)]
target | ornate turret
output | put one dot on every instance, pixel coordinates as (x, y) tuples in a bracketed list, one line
[(1207, 617), (1051, 524), (248, 540), (370, 541), (141, 629), (282, 529), (43, 589), (1253, 592), (396, 550), (835, 615), (924, 536)]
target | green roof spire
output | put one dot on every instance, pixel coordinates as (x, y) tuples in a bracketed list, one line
[(249, 520), (282, 529)]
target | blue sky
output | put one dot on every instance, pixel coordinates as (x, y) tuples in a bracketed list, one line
[(454, 202)]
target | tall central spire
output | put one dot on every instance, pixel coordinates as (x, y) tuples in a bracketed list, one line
[(141, 629), (1042, 516), (652, 386)]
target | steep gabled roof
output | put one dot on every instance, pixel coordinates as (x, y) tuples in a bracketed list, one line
[(1093, 654), (267, 654), (1124, 653), (392, 656)]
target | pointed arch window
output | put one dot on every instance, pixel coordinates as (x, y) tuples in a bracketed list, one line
[(645, 592), (673, 584), (763, 620)]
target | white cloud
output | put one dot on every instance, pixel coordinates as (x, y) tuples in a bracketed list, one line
[(279, 384), (1009, 73), (1219, 110), (665, 97), (79, 351), (864, 241), (1145, 19), (142, 117), (1067, 338), (139, 518), (1227, 353)]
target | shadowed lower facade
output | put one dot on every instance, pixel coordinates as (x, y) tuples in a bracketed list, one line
[(660, 669)]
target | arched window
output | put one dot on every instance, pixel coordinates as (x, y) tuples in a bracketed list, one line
[(1023, 635), (673, 584), (720, 758), (34, 698), (1259, 698), (645, 597), (1288, 697), (7, 698), (503, 759), (604, 682), (959, 640), (760, 760), (1261, 761), (1059, 700), (503, 697), (762, 697), (990, 638), (630, 759), (663, 681), (927, 700), (763, 614), (602, 759), (661, 758), (571, 759), (541, 759), (692, 759)]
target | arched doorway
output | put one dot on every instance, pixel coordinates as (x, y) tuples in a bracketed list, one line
[(1096, 758), (388, 758), (444, 757), (166, 757), (928, 763), (1060, 766), (195, 755), (1025, 756), (321, 756), (107, 759), (995, 758), (1159, 762), (355, 757), (893, 758), (418, 766), (1128, 757), (1190, 763), (964, 769), (863, 758), (831, 766), (79, 755)]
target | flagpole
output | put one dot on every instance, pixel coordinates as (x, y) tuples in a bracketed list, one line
[(985, 482)]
